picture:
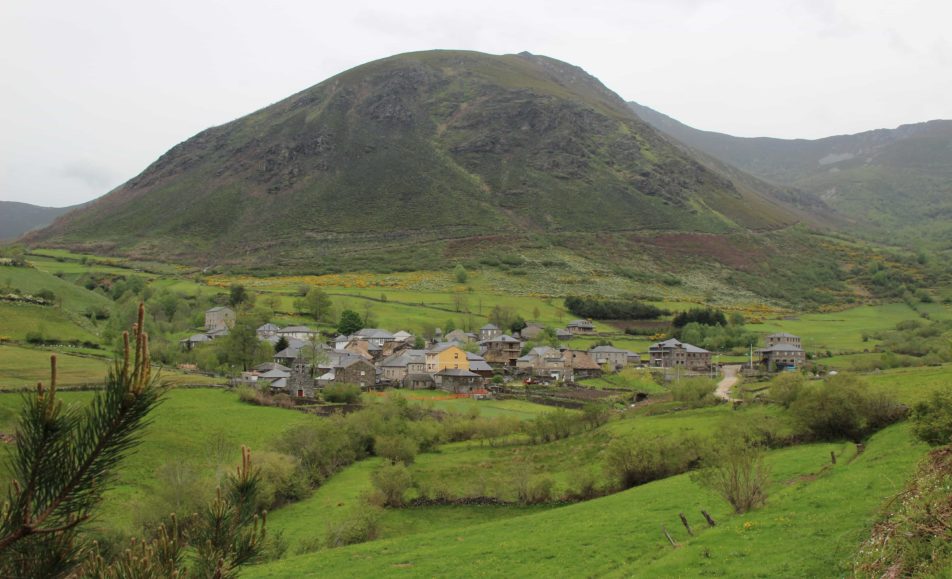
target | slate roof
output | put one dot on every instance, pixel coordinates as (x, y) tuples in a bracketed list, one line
[(489, 327), (608, 350), (269, 327), (275, 374), (673, 343), (374, 333), (219, 309), (268, 366), (295, 329), (479, 366), (580, 324), (782, 335), (457, 372)]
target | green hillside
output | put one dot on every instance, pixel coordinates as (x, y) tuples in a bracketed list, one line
[(388, 161), (884, 180), (818, 514)]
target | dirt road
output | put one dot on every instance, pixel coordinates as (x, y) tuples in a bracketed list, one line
[(730, 379)]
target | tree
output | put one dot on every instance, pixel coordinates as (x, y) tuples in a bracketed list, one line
[(350, 322), (501, 316), (242, 347), (281, 344), (460, 273), (65, 459), (739, 475), (237, 295), (517, 324), (317, 304)]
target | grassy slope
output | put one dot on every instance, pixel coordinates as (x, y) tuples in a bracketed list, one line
[(811, 524), (16, 320), (183, 430)]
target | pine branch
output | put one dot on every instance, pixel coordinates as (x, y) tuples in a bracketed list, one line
[(67, 459)]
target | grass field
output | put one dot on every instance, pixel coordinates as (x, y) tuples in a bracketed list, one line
[(201, 428), (635, 379), (911, 385), (22, 367), (813, 521), (840, 331), (17, 320)]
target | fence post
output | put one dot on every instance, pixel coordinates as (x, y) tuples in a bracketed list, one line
[(710, 521), (684, 521)]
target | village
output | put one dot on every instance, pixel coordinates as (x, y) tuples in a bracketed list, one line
[(465, 363)]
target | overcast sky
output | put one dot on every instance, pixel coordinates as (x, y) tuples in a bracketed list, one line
[(92, 91)]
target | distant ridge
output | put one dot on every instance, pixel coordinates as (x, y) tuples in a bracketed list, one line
[(892, 180), (18, 218)]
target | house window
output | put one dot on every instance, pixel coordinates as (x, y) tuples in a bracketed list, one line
[(362, 373)]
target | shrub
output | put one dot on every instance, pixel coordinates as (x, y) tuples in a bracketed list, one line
[(695, 392), (636, 461), (391, 482), (583, 484), (738, 473), (785, 388), (840, 407), (396, 448), (932, 419), (342, 393), (35, 338), (702, 316), (361, 524), (282, 480), (596, 414)]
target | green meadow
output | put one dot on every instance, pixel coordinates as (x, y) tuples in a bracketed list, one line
[(813, 521)]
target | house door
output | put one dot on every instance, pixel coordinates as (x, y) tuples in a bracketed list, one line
[(300, 393)]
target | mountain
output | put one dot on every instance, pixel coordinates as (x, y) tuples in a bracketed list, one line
[(400, 158), (18, 218), (895, 181)]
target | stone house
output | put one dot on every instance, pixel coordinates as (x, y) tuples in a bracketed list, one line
[(582, 327), (356, 371), (395, 368), (543, 362), (782, 356), (673, 353), (458, 381), (219, 318), (783, 338), (375, 336), (532, 331), (579, 365), (615, 358), (460, 336), (479, 365), (488, 332), (304, 333), (502, 350), (194, 340), (266, 331)]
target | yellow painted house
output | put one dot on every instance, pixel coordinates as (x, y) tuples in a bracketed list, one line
[(446, 356)]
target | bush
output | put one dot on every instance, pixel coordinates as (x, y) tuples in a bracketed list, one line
[(738, 473), (396, 448), (361, 524), (35, 338), (840, 407), (695, 392), (932, 419), (583, 485), (636, 461), (785, 388), (342, 393), (596, 414), (391, 482), (282, 480)]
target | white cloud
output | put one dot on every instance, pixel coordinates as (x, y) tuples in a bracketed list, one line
[(113, 84)]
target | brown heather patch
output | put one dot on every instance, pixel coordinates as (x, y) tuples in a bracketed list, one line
[(693, 246)]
